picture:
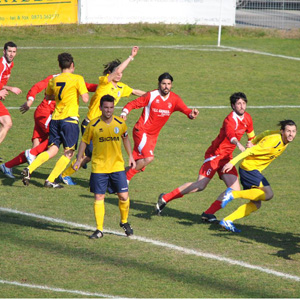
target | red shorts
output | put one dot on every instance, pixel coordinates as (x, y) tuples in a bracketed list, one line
[(3, 110), (144, 144), (215, 164), (42, 118)]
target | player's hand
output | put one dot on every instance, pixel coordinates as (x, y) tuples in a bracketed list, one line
[(132, 162), (227, 167), (16, 90), (3, 94), (134, 51), (194, 113), (123, 115), (76, 166), (25, 107), (241, 147), (249, 144)]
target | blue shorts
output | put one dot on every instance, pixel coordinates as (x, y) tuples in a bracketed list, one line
[(115, 182), (250, 179), (64, 132), (89, 148)]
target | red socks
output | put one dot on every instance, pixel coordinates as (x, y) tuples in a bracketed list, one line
[(214, 207), (18, 160), (172, 195)]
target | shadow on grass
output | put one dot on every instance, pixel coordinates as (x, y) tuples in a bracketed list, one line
[(36, 176), (287, 242), (84, 255), (41, 224)]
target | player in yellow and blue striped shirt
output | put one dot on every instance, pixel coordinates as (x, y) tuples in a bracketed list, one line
[(268, 146)]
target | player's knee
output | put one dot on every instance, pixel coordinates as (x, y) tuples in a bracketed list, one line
[(69, 154), (123, 198), (148, 160), (269, 196), (257, 204), (7, 123)]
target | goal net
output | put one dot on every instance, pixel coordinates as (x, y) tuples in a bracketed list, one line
[(268, 14)]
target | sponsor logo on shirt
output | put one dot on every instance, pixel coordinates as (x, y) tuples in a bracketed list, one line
[(109, 139)]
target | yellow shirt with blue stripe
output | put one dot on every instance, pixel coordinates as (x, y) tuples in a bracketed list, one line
[(107, 138), (261, 155), (106, 87), (66, 88)]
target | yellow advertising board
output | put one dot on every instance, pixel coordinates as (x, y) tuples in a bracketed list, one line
[(38, 12)]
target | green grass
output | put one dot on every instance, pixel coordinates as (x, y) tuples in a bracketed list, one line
[(39, 252)]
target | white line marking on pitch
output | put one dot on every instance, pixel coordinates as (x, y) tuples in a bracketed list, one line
[(162, 244), (209, 48), (48, 288), (261, 53)]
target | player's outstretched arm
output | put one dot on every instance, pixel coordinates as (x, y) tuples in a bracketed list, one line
[(119, 70)]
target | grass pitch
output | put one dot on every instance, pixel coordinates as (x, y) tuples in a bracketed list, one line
[(175, 255)]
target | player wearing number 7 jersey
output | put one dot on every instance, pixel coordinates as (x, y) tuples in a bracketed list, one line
[(64, 129)]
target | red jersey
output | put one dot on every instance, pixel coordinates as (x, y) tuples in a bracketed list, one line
[(48, 105), (5, 69), (234, 126), (157, 110)]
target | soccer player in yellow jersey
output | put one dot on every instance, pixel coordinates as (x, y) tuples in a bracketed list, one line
[(268, 146), (109, 84), (64, 129), (108, 170)]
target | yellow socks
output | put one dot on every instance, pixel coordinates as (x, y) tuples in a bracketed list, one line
[(42, 158), (99, 210), (243, 211), (251, 194), (124, 210), (69, 171), (59, 167)]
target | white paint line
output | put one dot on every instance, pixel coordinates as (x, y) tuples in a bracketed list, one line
[(261, 53), (209, 48), (52, 289), (201, 107), (165, 245)]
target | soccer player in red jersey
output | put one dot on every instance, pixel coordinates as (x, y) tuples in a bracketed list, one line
[(158, 106), (42, 118), (216, 156), (6, 64)]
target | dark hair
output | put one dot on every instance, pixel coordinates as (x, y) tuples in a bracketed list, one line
[(107, 98), (9, 44), (284, 123), (109, 67), (236, 96), (165, 76), (65, 60)]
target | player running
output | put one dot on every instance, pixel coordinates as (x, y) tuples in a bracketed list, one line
[(255, 159), (6, 65), (42, 118), (158, 106), (109, 84), (216, 156)]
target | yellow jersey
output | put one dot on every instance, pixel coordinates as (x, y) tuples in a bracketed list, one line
[(66, 89), (106, 88), (107, 138), (261, 155)]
